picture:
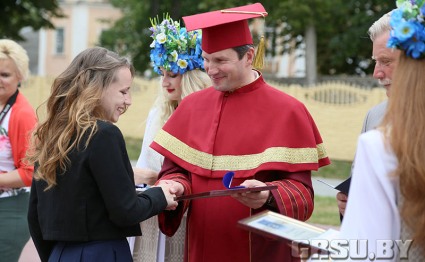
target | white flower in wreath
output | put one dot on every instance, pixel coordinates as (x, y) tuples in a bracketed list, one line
[(174, 56), (182, 63), (161, 38)]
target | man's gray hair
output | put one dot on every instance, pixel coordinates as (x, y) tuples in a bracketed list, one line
[(382, 25)]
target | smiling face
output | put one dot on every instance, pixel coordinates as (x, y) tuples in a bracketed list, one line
[(385, 60), (227, 71), (171, 83), (9, 80), (116, 98)]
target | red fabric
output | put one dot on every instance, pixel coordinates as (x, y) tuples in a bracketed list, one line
[(21, 123), (212, 232), (223, 30), (248, 121)]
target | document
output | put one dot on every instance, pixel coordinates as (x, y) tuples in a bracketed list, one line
[(343, 187), (224, 192), (278, 226)]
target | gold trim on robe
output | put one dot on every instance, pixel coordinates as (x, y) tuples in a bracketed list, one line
[(238, 162)]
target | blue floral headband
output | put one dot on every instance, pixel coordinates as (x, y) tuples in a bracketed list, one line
[(408, 31), (173, 48)]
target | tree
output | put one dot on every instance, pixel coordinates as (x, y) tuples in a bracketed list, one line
[(15, 15), (339, 26), (130, 35), (343, 46)]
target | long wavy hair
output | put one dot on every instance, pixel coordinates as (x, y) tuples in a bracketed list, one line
[(404, 126), (72, 111), (191, 82)]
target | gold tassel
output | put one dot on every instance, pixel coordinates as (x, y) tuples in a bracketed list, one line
[(258, 62)]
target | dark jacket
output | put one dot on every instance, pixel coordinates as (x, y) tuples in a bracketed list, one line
[(94, 199)]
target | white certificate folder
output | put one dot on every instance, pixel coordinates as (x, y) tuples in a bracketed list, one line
[(278, 226)]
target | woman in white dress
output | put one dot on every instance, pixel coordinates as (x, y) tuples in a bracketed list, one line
[(386, 203), (177, 81)]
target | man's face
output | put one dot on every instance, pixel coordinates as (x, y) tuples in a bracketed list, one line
[(226, 71), (385, 60)]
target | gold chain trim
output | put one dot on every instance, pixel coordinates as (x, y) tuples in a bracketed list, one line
[(242, 162), (263, 14)]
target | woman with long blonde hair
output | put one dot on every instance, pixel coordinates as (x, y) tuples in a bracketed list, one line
[(389, 174), (182, 73), (83, 203)]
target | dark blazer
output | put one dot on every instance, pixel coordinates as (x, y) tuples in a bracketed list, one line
[(94, 199)]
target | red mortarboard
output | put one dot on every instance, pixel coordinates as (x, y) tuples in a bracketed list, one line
[(226, 28)]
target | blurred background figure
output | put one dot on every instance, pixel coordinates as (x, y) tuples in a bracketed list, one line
[(385, 63), (17, 119)]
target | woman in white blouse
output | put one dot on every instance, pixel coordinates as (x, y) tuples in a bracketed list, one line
[(386, 204)]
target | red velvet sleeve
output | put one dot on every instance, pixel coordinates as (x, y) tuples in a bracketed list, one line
[(294, 196), (169, 221)]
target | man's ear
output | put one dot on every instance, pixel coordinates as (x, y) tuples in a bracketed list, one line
[(250, 55)]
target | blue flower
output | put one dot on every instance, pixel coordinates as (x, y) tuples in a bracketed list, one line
[(396, 17), (404, 30), (408, 31), (173, 48)]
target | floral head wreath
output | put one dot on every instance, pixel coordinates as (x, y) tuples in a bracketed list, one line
[(408, 31), (173, 48)]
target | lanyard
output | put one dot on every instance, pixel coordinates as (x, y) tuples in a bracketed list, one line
[(8, 105)]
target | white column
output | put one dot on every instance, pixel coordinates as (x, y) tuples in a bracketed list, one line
[(42, 52), (79, 31)]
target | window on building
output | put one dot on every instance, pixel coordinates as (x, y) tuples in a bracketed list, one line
[(60, 41)]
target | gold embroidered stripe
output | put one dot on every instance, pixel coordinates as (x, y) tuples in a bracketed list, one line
[(240, 162)]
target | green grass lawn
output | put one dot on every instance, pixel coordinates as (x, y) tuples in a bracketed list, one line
[(133, 147), (325, 211), (337, 169)]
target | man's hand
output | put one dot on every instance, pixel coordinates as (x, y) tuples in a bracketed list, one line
[(171, 189), (342, 202), (252, 199)]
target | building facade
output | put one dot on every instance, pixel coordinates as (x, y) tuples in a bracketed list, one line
[(81, 27)]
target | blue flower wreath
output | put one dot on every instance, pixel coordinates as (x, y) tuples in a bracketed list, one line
[(408, 31), (173, 48)]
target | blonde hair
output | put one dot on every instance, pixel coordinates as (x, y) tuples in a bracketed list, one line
[(404, 125), (9, 49), (72, 110), (191, 82)]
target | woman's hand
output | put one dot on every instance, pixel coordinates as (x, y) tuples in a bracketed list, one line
[(171, 189), (144, 176)]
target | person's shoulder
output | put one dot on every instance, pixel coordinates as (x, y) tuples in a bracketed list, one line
[(371, 134), (107, 128), (379, 108), (22, 105), (373, 138), (199, 95), (153, 112), (203, 92)]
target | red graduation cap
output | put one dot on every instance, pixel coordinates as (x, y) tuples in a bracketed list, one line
[(226, 28)]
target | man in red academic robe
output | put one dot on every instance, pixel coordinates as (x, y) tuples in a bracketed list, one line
[(244, 125)]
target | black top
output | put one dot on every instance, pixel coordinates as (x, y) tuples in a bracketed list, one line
[(94, 199)]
